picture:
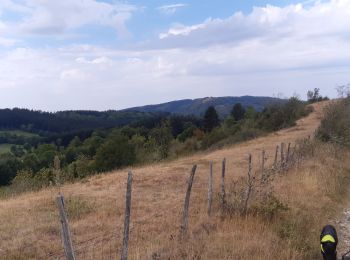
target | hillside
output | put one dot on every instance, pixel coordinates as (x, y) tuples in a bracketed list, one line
[(198, 106), (30, 226), (65, 125), (46, 123)]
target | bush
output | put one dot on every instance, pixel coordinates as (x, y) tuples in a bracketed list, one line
[(216, 135), (23, 181), (277, 117), (183, 148), (116, 152), (335, 126), (81, 168), (45, 177)]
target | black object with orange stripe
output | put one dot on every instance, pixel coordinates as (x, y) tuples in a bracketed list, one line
[(329, 242)]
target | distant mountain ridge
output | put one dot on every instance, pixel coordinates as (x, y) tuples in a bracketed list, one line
[(197, 107)]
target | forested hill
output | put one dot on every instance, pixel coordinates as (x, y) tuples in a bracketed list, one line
[(197, 107), (63, 126), (68, 122)]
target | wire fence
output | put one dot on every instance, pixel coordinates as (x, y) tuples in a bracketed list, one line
[(108, 245)]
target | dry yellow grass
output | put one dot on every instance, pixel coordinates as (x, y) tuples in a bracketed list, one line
[(29, 225)]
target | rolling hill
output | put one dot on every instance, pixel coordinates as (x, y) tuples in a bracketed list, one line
[(96, 208), (198, 106)]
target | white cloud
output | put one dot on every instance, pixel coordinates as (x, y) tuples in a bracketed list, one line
[(7, 42), (41, 17), (180, 29), (171, 9), (319, 21), (271, 50)]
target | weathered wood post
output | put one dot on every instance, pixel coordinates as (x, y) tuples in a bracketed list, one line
[(249, 183), (65, 232), (292, 156), (223, 193), (276, 157), (124, 254), (287, 156), (262, 165), (184, 225), (210, 188), (282, 155)]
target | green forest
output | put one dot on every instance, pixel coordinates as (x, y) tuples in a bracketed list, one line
[(81, 145)]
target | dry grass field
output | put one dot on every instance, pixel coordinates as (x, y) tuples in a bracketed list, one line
[(30, 228)]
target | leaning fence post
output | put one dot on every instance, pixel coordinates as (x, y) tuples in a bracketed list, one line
[(66, 237), (223, 193), (184, 225), (276, 157), (124, 255), (210, 189)]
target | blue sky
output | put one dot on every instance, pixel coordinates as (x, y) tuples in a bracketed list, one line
[(149, 19), (94, 54)]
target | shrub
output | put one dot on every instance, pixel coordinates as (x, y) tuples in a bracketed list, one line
[(23, 181), (114, 153), (278, 116), (216, 135), (45, 177), (81, 168), (335, 126)]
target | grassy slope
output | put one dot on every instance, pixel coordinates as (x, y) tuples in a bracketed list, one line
[(96, 208)]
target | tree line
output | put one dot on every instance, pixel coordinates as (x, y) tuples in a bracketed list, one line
[(148, 140)]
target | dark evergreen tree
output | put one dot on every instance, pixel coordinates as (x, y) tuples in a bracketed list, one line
[(9, 165), (238, 112), (211, 119)]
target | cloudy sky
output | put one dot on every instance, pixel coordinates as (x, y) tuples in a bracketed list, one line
[(109, 54)]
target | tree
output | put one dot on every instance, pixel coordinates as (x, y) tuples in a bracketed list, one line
[(314, 96), (238, 112), (45, 154), (115, 152), (211, 119), (162, 135), (343, 91), (250, 113), (9, 165)]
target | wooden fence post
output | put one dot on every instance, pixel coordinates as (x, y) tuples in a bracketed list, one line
[(223, 193), (249, 183), (184, 225), (288, 152), (276, 157), (210, 188), (262, 165), (282, 154), (66, 237), (124, 254)]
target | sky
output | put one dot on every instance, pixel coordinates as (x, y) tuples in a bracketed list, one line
[(109, 54)]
